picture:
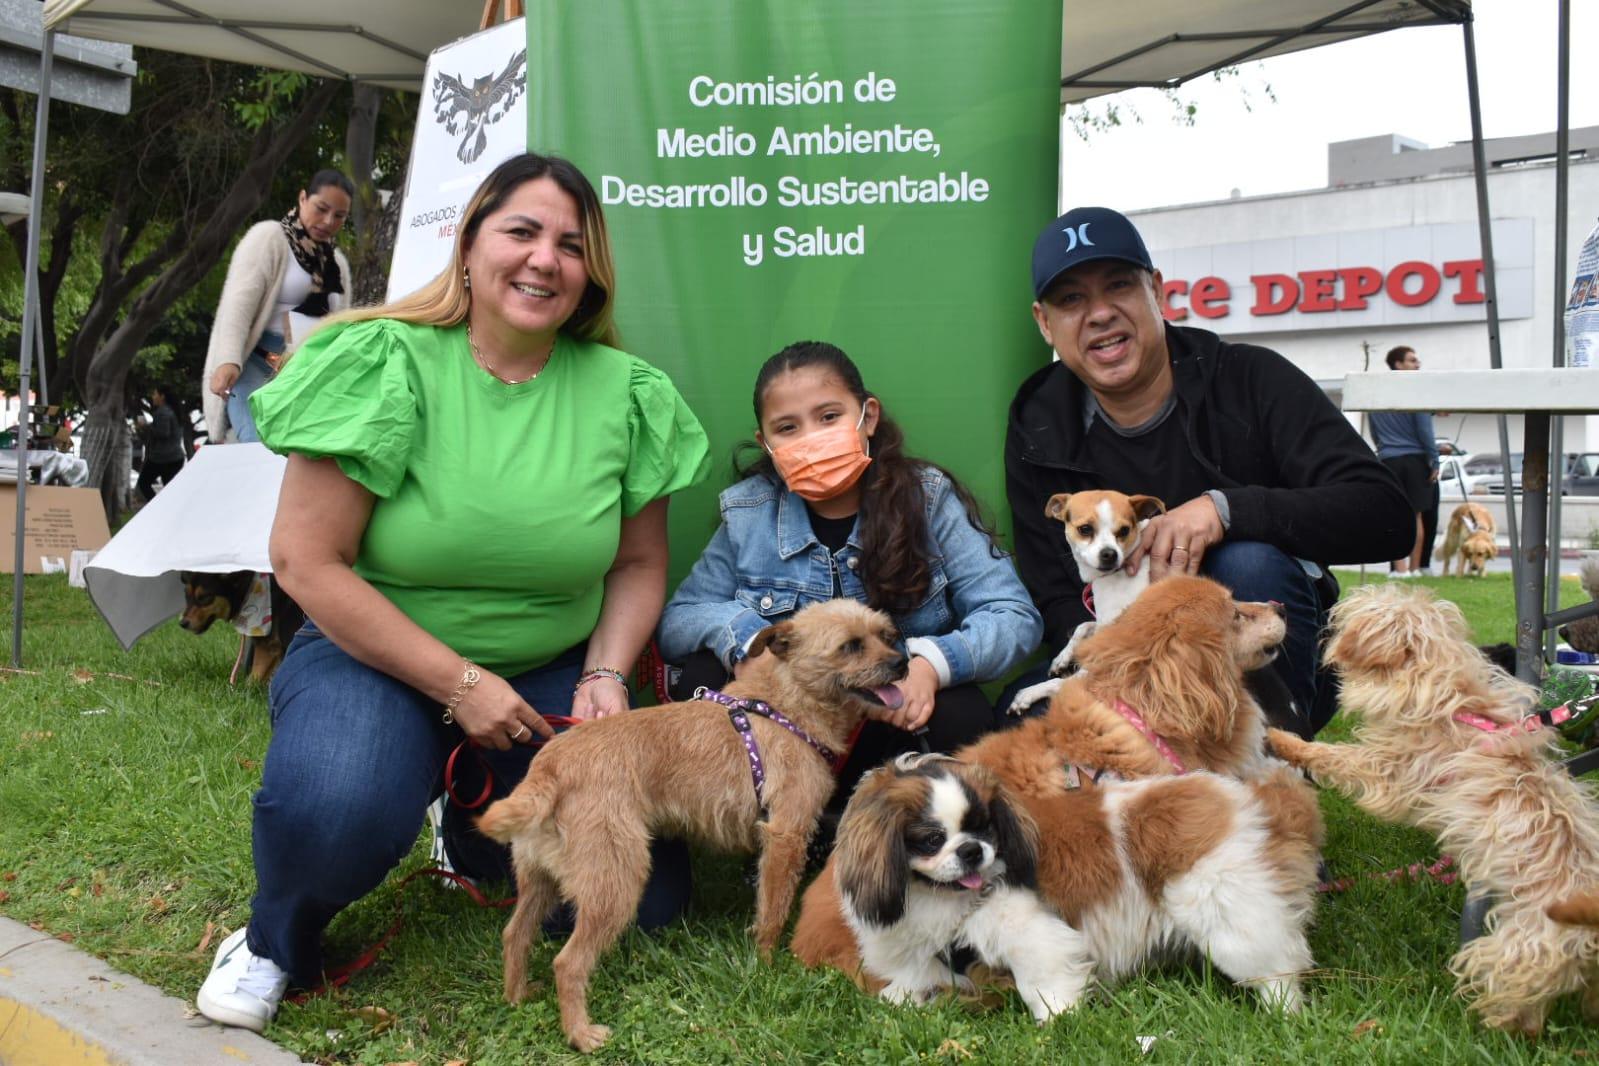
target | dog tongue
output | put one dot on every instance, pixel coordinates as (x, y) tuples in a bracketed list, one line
[(972, 881), (891, 696)]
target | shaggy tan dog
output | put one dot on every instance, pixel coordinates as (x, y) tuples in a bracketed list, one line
[(1177, 657), (1442, 744), (580, 823), (1117, 856), (1471, 536)]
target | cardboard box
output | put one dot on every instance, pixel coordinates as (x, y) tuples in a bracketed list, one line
[(60, 521)]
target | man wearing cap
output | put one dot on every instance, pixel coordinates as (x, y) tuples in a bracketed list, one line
[(1265, 482)]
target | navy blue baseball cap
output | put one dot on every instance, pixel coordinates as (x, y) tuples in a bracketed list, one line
[(1083, 235)]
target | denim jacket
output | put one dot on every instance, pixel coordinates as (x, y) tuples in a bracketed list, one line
[(765, 563)]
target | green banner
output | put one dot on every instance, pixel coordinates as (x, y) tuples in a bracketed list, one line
[(869, 174)]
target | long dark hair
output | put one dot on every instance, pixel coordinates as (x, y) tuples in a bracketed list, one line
[(896, 549)]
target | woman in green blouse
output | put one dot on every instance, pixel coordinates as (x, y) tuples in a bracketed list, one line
[(474, 519)]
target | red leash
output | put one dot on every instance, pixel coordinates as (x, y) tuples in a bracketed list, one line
[(557, 721), (1413, 872), (340, 975)]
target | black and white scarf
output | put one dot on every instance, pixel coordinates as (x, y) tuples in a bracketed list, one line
[(317, 259)]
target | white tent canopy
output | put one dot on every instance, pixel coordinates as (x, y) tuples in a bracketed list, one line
[(1107, 45)]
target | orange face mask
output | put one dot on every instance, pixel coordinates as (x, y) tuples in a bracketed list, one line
[(824, 464)]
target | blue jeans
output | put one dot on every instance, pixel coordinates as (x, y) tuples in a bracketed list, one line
[(255, 373), (1258, 572), (355, 758)]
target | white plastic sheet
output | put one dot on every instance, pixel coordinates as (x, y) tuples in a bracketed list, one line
[(214, 517)]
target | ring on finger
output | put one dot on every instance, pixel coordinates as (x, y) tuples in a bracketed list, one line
[(520, 729)]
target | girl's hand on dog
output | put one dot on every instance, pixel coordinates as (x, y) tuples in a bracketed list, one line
[(599, 698), (494, 716), (1176, 541), (919, 688)]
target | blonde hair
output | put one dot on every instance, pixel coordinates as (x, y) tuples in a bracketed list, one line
[(445, 300)]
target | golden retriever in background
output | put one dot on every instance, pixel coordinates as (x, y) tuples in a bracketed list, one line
[(1443, 743), (1471, 536), (580, 823), (1177, 656)]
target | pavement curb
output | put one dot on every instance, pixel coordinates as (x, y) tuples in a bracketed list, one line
[(60, 1005)]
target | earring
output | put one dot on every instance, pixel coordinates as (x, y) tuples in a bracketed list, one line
[(466, 277)]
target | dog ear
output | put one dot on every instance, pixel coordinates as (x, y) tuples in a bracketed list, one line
[(1146, 507), (873, 866), (1056, 507), (775, 639), (1016, 838)]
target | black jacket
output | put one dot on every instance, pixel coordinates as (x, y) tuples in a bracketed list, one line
[(1295, 473)]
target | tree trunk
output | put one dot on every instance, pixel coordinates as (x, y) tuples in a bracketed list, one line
[(368, 260), (108, 448), (104, 383)]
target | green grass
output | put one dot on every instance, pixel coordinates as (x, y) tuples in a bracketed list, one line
[(125, 826)]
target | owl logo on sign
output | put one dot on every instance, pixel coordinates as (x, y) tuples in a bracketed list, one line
[(469, 109)]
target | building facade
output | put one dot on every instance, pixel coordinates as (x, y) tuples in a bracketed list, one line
[(1389, 254)]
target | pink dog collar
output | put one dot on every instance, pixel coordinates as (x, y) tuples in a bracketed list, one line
[(1530, 724), (1136, 720)]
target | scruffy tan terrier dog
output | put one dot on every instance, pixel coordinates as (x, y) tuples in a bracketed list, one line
[(580, 823), (1444, 743)]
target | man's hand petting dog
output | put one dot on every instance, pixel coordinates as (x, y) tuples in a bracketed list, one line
[(1176, 541), (494, 716)]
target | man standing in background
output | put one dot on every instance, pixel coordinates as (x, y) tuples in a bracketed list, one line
[(1406, 445)]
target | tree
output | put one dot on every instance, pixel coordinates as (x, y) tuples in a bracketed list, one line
[(167, 189)]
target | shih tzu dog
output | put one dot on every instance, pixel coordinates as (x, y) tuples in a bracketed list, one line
[(932, 855)]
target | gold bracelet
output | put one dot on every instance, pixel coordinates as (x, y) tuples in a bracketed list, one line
[(470, 676)]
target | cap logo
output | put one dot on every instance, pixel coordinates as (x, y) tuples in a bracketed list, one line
[(1076, 236)]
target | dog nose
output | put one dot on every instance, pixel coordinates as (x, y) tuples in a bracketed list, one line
[(1107, 557), (901, 665), (1282, 612), (971, 854)]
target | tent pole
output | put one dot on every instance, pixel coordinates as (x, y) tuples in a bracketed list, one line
[(1479, 168), (1557, 447), (30, 312)]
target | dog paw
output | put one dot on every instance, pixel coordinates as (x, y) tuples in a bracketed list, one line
[(1286, 745), (589, 1038)]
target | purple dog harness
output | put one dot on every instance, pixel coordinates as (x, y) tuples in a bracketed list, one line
[(738, 712)]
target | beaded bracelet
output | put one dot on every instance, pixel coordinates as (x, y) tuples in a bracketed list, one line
[(470, 676), (599, 672)]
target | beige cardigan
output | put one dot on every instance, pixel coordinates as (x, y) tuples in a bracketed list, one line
[(255, 276)]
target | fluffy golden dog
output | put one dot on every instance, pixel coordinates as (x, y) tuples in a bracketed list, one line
[(1471, 536), (580, 823), (932, 852), (1176, 657), (1442, 743)]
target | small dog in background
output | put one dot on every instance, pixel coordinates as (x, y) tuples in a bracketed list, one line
[(580, 823), (209, 598), (933, 854), (1444, 742), (1471, 536), (1103, 528), (1583, 634)]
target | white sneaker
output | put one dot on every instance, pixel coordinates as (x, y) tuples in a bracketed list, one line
[(242, 989), (439, 854)]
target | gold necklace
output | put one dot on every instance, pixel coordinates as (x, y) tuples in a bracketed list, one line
[(495, 374)]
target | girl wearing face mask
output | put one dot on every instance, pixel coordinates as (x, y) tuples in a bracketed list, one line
[(832, 506)]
